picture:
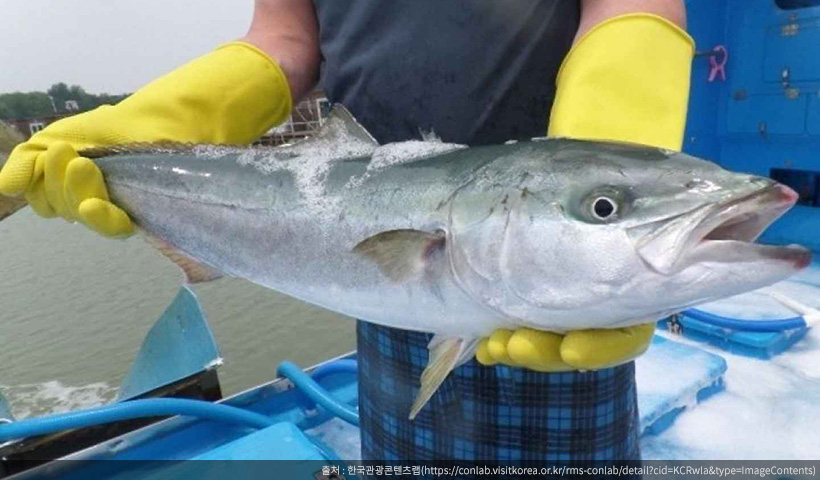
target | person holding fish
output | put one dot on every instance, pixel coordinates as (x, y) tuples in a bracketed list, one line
[(474, 72)]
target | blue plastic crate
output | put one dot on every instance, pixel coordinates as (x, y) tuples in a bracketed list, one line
[(752, 344)]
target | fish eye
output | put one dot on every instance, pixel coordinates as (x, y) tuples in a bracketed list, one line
[(605, 204), (603, 208)]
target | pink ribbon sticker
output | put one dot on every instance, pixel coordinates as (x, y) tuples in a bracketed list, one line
[(718, 66)]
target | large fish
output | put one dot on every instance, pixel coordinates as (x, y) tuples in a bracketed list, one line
[(553, 234)]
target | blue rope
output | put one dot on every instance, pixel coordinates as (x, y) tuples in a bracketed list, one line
[(151, 407), (343, 366), (316, 392), (161, 407)]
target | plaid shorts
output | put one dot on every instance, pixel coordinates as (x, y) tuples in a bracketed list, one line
[(497, 414)]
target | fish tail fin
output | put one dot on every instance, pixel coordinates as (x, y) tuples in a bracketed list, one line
[(9, 138), (10, 205)]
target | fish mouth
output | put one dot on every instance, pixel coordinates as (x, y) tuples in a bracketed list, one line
[(733, 227), (722, 233)]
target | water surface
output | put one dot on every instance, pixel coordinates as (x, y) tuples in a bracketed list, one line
[(74, 308)]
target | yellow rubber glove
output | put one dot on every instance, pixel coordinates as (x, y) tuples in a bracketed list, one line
[(229, 96), (627, 79), (577, 350)]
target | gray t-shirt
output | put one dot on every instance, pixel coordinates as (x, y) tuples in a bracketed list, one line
[(472, 71)]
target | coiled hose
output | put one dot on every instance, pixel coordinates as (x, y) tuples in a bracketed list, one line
[(150, 407), (316, 392), (161, 407)]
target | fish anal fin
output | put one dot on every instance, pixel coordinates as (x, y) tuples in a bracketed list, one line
[(195, 272), (446, 353), (402, 255)]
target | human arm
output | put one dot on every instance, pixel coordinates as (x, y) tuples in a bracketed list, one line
[(625, 79), (594, 12), (287, 30), (231, 96)]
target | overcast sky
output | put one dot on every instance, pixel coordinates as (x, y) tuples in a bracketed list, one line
[(111, 46)]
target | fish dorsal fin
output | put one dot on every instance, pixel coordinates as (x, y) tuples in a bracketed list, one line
[(154, 148), (350, 130), (339, 130), (402, 255), (339, 136), (445, 354), (195, 272), (409, 151)]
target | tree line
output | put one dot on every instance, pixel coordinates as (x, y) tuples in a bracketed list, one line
[(60, 99)]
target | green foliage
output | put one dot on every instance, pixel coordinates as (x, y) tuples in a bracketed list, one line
[(59, 99), (24, 105)]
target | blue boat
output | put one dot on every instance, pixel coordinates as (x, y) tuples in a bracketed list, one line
[(747, 367)]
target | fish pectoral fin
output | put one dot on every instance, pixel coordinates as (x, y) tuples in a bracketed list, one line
[(446, 353), (195, 271), (402, 255)]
